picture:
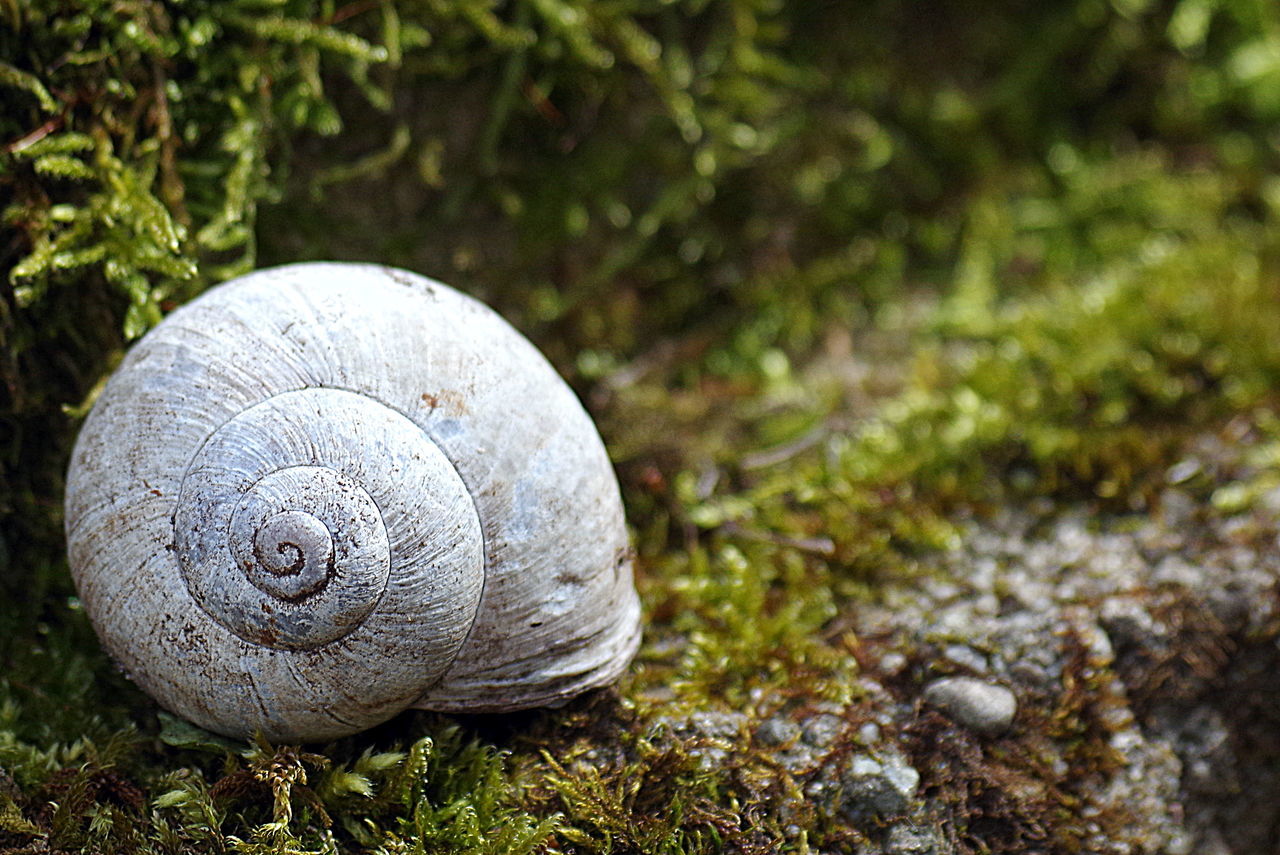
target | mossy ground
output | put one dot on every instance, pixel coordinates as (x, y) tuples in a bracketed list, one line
[(829, 278)]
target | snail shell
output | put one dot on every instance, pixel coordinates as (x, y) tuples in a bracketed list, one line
[(324, 493)]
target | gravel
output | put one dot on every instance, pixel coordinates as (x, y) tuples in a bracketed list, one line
[(1118, 674), (875, 787)]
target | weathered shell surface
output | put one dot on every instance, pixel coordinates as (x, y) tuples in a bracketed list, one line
[(323, 493)]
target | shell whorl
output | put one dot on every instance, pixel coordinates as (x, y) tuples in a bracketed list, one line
[(326, 492), (312, 517)]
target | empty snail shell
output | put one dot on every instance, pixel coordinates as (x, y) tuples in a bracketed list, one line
[(324, 493)]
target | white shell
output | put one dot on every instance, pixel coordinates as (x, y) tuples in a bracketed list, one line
[(323, 493)]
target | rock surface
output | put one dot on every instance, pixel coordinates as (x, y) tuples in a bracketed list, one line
[(1127, 665), (1140, 631), (876, 787)]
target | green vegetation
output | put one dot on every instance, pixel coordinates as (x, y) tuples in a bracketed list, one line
[(826, 276)]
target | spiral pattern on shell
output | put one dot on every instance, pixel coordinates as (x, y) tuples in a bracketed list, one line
[(323, 493)]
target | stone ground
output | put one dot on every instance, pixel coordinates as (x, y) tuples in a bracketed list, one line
[(1165, 610), (1157, 631)]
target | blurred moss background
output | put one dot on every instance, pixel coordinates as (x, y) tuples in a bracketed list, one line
[(827, 274)]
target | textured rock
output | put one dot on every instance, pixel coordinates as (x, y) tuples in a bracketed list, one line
[(712, 735), (777, 730), (1138, 632), (907, 839), (821, 730), (876, 787)]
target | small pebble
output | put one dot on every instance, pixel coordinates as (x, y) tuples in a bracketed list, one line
[(984, 708), (876, 788), (777, 730), (893, 663), (904, 839), (962, 654), (822, 729)]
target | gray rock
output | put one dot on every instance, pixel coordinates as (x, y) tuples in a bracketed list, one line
[(718, 733), (1127, 621), (982, 707), (777, 730), (1088, 602), (821, 730), (712, 724), (876, 788), (967, 657), (907, 839), (893, 663)]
